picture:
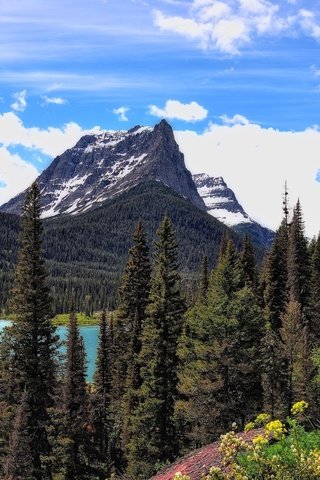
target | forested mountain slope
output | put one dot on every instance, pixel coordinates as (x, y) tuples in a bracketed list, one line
[(86, 253)]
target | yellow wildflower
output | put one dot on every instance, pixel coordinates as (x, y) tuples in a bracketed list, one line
[(262, 419), (249, 426), (276, 429), (260, 440), (299, 407)]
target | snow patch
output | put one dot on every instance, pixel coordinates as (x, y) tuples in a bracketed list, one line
[(229, 218)]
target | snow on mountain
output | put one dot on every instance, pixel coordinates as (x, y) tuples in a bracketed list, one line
[(222, 204), (101, 166), (220, 200)]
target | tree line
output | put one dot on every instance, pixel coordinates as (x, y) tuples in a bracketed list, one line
[(173, 370), (85, 254)]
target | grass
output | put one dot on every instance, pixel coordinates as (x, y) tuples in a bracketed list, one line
[(63, 319)]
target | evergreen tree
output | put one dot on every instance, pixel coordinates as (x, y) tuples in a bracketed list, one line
[(315, 295), (153, 439), (102, 396), (219, 355), (274, 373), (298, 261), (294, 338), (75, 406), (203, 280), (33, 339), (276, 278), (134, 297), (248, 264), (20, 462), (228, 272)]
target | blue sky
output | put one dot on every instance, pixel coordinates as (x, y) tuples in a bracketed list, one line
[(219, 66)]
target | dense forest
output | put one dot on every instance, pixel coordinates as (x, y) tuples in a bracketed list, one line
[(86, 254), (174, 370)]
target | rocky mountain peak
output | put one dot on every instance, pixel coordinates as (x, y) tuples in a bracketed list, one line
[(222, 204), (101, 166), (220, 200)]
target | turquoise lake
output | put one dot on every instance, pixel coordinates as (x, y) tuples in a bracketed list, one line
[(90, 337)]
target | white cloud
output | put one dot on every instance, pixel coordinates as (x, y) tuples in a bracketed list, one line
[(309, 23), (51, 141), (235, 120), (53, 100), (20, 101), (228, 25), (173, 109), (121, 112), (255, 162), (15, 174)]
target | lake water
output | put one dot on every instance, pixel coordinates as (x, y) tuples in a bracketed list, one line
[(90, 337)]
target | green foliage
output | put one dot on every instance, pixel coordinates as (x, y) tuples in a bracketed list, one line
[(73, 437), (153, 439), (219, 357), (83, 260), (101, 397), (82, 319), (278, 452), (31, 342), (134, 298), (276, 277)]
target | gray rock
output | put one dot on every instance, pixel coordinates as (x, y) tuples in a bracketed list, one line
[(102, 166)]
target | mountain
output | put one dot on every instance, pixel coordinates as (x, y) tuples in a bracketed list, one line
[(99, 167), (222, 204), (94, 194), (220, 200)]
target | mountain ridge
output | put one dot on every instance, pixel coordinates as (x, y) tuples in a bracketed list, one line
[(101, 166)]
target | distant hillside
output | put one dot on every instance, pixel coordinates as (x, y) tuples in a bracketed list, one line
[(86, 253)]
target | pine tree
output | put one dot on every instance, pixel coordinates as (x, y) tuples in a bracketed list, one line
[(248, 265), (153, 438), (297, 315), (134, 297), (203, 280), (276, 278), (228, 271), (33, 338), (20, 462), (314, 316), (102, 397), (294, 338), (298, 261), (274, 373), (219, 355), (75, 406)]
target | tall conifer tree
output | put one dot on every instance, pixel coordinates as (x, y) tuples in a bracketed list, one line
[(75, 406), (134, 297), (248, 264), (19, 462), (203, 280), (298, 261), (102, 382), (315, 295), (219, 357), (153, 438), (276, 278), (33, 338)]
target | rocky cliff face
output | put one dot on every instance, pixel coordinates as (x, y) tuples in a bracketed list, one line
[(220, 200), (101, 166), (222, 204)]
